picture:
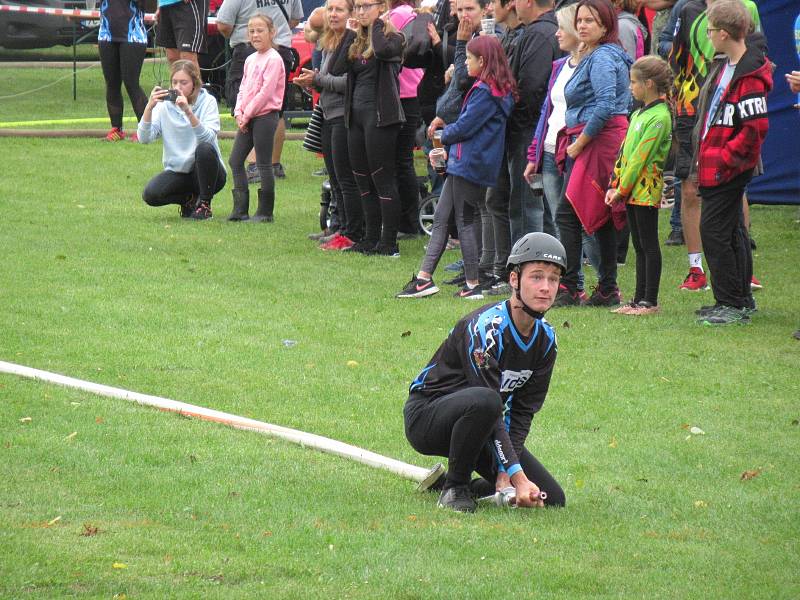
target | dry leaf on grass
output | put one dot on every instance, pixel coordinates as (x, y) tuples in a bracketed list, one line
[(119, 565), (71, 435), (89, 530), (613, 443), (54, 521), (747, 475), (405, 334), (25, 420)]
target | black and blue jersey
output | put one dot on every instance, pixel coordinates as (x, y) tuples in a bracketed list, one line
[(485, 349), (122, 21)]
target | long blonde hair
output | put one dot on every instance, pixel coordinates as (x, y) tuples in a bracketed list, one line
[(362, 45), (329, 39)]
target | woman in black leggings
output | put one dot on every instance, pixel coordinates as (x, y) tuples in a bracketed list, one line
[(373, 116), (122, 40)]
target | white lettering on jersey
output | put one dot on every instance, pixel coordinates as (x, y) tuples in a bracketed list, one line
[(512, 380), (500, 454)]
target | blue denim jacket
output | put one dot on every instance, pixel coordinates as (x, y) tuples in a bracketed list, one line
[(599, 89)]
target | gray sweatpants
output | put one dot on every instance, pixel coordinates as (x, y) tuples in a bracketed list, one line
[(464, 197)]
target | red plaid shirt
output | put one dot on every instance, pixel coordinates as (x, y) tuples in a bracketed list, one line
[(732, 144)]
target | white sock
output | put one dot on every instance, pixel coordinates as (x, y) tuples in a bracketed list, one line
[(696, 260), (473, 286)]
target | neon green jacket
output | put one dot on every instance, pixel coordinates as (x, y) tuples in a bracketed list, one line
[(639, 171)]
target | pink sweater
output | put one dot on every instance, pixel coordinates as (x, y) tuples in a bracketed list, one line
[(262, 86), (409, 78)]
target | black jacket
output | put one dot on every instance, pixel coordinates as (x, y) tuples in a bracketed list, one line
[(388, 48), (534, 50)]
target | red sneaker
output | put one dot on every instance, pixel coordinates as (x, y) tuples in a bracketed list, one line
[(134, 137), (755, 284), (115, 135), (338, 242), (695, 281)]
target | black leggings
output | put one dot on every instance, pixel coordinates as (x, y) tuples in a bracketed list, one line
[(459, 426), (261, 134), (643, 224), (122, 63), (372, 155), (206, 178), (340, 175), (407, 184)]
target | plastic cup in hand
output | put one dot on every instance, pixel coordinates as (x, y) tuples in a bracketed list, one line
[(437, 139), (438, 160), (487, 26), (91, 4)]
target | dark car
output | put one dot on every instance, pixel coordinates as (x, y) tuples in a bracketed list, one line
[(23, 31)]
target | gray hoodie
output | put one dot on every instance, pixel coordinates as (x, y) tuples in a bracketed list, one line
[(630, 31)]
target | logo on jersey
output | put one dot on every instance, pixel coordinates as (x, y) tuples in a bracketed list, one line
[(512, 380)]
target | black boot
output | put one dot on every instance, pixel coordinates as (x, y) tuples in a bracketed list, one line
[(241, 205), (266, 204)]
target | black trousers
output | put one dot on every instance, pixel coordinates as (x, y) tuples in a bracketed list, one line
[(340, 175), (496, 234), (459, 426), (407, 186), (122, 64), (372, 157), (260, 135), (726, 242), (206, 178), (643, 225), (570, 229)]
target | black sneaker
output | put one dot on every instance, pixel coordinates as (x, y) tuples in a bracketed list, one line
[(277, 171), (468, 293), (726, 315), (566, 298), (457, 498), (598, 298), (188, 205), (361, 247), (488, 282), (418, 288), (202, 211), (384, 250), (675, 238), (704, 311), (458, 280)]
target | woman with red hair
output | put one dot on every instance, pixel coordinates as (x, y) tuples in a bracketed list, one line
[(598, 100), (474, 152)]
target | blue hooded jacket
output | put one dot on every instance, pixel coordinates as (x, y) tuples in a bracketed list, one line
[(476, 140), (599, 88)]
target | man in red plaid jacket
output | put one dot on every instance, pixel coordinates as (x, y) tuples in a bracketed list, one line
[(731, 126)]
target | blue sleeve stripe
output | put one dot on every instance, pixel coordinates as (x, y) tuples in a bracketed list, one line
[(513, 469)]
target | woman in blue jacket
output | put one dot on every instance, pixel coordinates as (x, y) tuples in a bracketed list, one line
[(598, 100), (474, 145)]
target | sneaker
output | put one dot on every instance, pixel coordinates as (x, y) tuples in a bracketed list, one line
[(318, 235), (457, 498), (725, 315), (458, 280), (327, 238), (796, 335), (323, 172), (704, 311), (384, 250), (418, 288), (278, 171), (452, 244), (625, 309), (695, 281), (501, 288), (188, 205), (598, 298), (675, 238), (115, 135), (455, 267), (202, 211), (583, 296), (468, 293), (644, 308), (253, 174), (362, 247), (489, 282), (566, 298), (755, 284), (339, 242)]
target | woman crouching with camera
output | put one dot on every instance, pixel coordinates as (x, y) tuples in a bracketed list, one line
[(187, 118)]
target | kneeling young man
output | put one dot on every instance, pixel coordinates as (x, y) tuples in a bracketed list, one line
[(475, 400)]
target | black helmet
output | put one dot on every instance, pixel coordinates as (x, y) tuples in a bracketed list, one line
[(537, 246)]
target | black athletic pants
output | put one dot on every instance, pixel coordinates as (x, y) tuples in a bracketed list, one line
[(372, 155), (261, 135), (459, 426), (205, 179), (726, 243), (407, 184), (496, 236), (122, 63), (340, 175), (643, 225)]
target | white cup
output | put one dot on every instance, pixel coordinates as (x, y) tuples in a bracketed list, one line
[(487, 26), (91, 4)]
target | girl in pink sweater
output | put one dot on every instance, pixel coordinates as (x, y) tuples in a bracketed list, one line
[(257, 107)]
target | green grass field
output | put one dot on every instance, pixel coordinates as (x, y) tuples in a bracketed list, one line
[(102, 498)]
